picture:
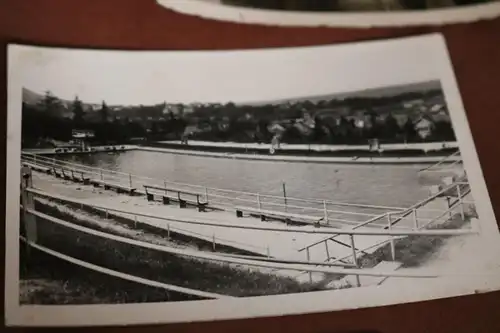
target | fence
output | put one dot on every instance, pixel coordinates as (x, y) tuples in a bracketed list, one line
[(460, 189), (279, 264), (334, 213), (241, 261), (123, 276), (448, 163), (171, 223)]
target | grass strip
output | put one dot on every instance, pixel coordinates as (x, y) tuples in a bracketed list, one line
[(227, 279)]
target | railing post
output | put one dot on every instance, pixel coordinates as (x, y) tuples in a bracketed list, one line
[(102, 177), (284, 195), (213, 242), (327, 251), (389, 225), (268, 252), (28, 203), (107, 216), (309, 259), (415, 219), (354, 259), (258, 201), (450, 214), (135, 221), (130, 180), (325, 211), (460, 201), (206, 194), (168, 231)]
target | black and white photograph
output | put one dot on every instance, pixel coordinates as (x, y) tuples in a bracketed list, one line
[(173, 186), (346, 5), (339, 13)]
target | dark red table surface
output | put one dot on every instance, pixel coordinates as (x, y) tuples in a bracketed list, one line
[(142, 24)]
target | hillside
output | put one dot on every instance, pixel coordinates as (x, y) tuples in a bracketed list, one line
[(382, 101), (32, 98), (368, 93)]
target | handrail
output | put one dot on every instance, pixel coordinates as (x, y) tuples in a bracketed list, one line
[(400, 214), (441, 161), (452, 207), (291, 229), (289, 199), (158, 189), (423, 202), (329, 237), (398, 219), (123, 276), (288, 261), (357, 251), (208, 256), (312, 200), (211, 238), (275, 204)]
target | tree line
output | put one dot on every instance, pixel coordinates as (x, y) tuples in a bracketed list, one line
[(325, 131), (54, 119)]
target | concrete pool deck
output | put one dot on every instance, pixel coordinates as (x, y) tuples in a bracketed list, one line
[(283, 245), (182, 149), (303, 159)]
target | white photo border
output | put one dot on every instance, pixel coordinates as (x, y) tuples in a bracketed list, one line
[(153, 313), (400, 18)]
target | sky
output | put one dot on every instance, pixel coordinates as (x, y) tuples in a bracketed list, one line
[(124, 78)]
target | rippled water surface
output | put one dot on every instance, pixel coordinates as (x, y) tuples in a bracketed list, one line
[(393, 185)]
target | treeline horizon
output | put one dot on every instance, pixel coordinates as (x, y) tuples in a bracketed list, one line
[(44, 121)]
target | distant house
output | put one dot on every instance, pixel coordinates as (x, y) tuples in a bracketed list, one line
[(424, 126), (439, 99), (401, 119), (191, 129), (276, 128), (303, 128), (82, 134), (436, 107), (441, 115), (175, 109), (81, 137), (188, 109), (359, 123), (223, 124), (413, 103), (335, 112)]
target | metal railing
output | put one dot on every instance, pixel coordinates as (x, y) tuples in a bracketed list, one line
[(229, 199), (279, 264), (335, 213), (462, 189), (235, 260), (447, 163), (123, 276)]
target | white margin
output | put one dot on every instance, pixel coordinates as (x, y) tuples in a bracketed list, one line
[(211, 310), (433, 17)]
